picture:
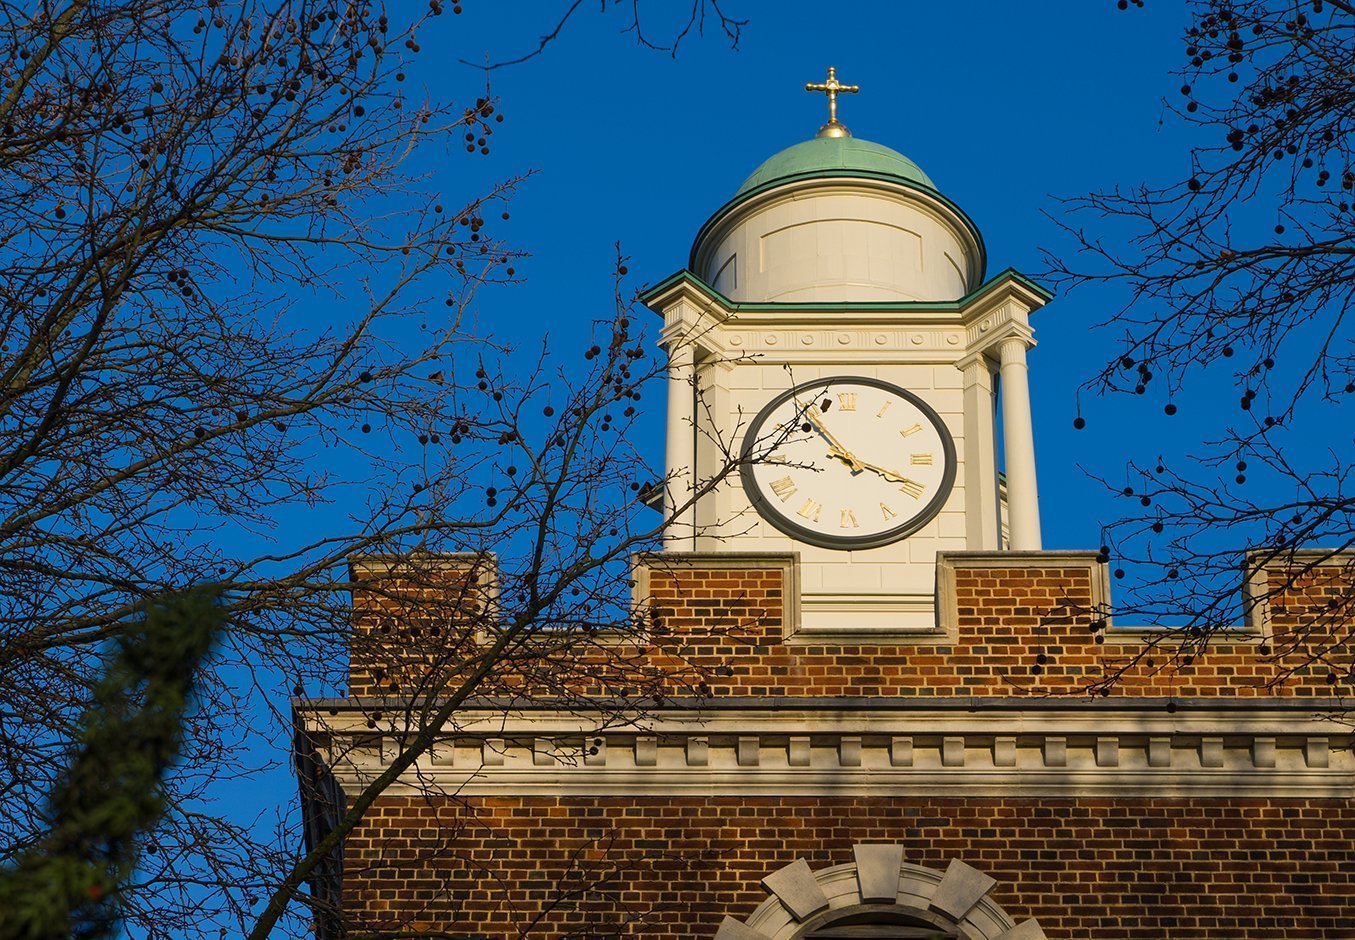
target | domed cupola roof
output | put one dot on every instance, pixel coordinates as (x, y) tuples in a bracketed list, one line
[(837, 219), (835, 156)]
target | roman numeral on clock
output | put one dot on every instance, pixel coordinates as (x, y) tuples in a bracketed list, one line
[(810, 510), (784, 488), (909, 432), (848, 520), (887, 512), (846, 401), (921, 460), (912, 488)]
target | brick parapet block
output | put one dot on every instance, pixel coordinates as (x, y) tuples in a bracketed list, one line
[(727, 624), (412, 613), (1032, 623)]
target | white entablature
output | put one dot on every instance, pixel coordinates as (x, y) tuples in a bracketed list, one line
[(836, 747)]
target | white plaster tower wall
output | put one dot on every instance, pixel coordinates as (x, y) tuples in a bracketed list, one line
[(849, 590)]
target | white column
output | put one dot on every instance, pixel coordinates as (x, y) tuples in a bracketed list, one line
[(680, 458), (1018, 444), (982, 514)]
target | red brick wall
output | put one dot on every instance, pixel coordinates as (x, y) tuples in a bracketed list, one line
[(410, 614), (1024, 631), (1310, 610), (668, 868), (1020, 631)]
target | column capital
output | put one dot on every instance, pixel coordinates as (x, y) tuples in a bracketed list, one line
[(681, 348), (1013, 341), (685, 322), (977, 369)]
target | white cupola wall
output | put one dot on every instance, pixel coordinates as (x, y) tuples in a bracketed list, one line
[(840, 240)]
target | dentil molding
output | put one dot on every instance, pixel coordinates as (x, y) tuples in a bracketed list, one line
[(1262, 751)]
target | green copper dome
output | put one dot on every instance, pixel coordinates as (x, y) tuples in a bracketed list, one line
[(849, 155)]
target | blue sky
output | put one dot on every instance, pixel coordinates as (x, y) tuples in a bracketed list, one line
[(1006, 106)]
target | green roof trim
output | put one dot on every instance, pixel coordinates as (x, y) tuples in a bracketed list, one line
[(736, 306), (845, 156)]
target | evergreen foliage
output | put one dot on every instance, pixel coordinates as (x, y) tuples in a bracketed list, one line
[(66, 885)]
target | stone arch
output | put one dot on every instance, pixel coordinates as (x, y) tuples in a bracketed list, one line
[(878, 880)]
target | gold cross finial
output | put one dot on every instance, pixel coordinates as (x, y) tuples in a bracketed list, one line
[(832, 88)]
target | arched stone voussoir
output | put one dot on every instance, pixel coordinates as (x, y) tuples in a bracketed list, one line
[(878, 881), (962, 887), (796, 888), (877, 871)]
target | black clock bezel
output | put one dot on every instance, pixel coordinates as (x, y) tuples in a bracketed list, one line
[(768, 511)]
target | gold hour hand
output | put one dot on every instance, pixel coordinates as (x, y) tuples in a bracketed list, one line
[(849, 459), (835, 446)]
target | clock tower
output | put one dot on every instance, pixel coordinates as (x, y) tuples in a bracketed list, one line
[(837, 354)]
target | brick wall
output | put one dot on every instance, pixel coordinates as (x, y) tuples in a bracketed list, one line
[(668, 868), (1019, 631), (1308, 609), (720, 631), (412, 613)]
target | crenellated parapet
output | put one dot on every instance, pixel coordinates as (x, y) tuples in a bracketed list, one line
[(1001, 696)]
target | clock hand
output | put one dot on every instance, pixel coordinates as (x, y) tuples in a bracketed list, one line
[(835, 446), (885, 472), (849, 459)]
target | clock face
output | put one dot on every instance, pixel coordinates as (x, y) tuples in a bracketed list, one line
[(848, 463)]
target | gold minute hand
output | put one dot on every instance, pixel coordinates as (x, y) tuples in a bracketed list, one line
[(885, 472)]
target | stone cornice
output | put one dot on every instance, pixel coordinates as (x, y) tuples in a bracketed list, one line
[(1072, 751)]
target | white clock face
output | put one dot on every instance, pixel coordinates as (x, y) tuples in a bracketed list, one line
[(848, 463)]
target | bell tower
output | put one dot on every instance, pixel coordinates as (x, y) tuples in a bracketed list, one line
[(836, 358)]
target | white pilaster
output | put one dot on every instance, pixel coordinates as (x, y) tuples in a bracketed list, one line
[(680, 452), (1018, 444), (982, 522)]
